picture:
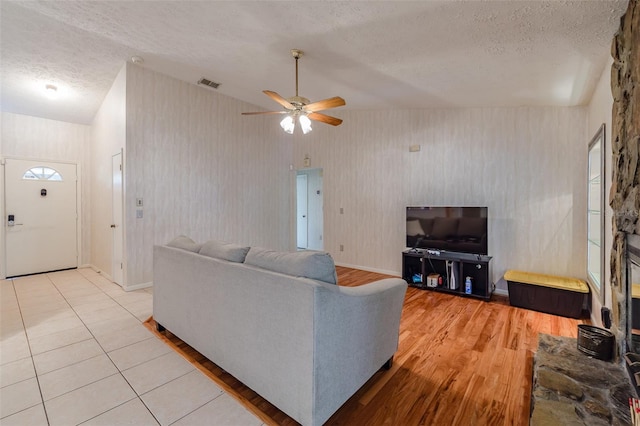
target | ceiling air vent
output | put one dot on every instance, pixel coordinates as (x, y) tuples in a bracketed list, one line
[(208, 83)]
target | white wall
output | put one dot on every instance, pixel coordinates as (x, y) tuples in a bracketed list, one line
[(202, 169), (108, 133), (527, 165), (600, 111), (23, 136), (206, 171)]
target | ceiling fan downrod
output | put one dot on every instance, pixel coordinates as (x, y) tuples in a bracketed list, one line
[(296, 54)]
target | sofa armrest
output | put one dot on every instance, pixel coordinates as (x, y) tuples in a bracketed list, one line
[(356, 332)]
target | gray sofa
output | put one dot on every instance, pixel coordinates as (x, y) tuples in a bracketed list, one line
[(277, 321)]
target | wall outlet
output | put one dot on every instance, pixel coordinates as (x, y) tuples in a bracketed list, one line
[(341, 210), (341, 247)]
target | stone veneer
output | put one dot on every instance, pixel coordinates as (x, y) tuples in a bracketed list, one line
[(625, 190), (570, 388)]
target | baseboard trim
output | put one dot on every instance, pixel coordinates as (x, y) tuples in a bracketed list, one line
[(97, 270), (501, 292), (365, 268), (138, 286)]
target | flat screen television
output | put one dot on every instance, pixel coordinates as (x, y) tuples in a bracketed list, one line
[(459, 229)]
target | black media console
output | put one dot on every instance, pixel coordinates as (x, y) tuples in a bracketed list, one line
[(446, 271)]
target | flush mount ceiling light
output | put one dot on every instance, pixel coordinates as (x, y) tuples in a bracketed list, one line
[(51, 91), (137, 60), (300, 109)]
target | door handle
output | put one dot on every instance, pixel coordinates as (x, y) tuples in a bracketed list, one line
[(113, 225)]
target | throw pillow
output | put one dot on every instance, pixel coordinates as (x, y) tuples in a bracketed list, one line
[(309, 264), (185, 243), (225, 251), (472, 227)]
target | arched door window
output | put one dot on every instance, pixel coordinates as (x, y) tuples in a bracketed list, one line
[(42, 173)]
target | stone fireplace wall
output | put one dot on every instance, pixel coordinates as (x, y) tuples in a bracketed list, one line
[(625, 134)]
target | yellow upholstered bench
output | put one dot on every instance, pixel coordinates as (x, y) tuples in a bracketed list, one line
[(552, 294)]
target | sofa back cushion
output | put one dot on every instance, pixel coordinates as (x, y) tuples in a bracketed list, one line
[(185, 243), (427, 226), (224, 250), (309, 264), (444, 228), (472, 227)]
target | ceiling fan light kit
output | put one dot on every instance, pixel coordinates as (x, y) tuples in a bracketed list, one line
[(300, 109), (288, 124)]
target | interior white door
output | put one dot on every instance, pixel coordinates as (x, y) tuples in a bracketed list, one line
[(315, 209), (41, 217), (302, 211), (117, 236)]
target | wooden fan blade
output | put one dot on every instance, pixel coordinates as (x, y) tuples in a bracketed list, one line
[(336, 101), (265, 112), (324, 118), (279, 99)]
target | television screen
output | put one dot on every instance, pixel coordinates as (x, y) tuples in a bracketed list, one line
[(459, 229)]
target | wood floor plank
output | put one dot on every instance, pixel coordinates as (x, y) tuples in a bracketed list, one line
[(460, 361)]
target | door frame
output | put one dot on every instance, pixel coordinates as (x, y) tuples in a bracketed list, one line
[(3, 239)]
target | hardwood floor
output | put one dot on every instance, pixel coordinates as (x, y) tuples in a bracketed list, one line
[(459, 361)]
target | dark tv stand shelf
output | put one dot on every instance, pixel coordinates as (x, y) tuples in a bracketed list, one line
[(418, 264)]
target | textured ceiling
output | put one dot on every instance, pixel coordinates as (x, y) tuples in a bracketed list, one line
[(383, 54)]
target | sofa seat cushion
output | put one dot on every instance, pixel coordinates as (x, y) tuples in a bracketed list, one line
[(185, 243), (309, 264), (223, 250)]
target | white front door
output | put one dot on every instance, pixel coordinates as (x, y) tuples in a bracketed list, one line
[(41, 216), (301, 211), (116, 221)]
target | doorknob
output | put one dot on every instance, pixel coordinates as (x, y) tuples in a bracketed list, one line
[(113, 225)]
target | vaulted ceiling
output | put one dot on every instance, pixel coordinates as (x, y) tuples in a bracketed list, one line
[(375, 54)]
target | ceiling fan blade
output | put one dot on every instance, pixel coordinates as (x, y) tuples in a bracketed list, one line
[(336, 101), (324, 118), (279, 99), (265, 112)]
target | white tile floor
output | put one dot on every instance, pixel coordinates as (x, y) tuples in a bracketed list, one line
[(73, 350)]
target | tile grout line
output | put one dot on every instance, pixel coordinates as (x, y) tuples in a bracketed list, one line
[(107, 355), (35, 372), (61, 285), (196, 409)]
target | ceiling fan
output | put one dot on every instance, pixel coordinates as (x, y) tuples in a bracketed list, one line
[(301, 109)]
